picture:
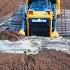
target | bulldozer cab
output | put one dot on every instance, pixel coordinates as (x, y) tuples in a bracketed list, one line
[(39, 5), (39, 17)]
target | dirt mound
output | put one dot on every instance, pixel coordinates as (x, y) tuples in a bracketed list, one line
[(8, 35), (52, 60), (44, 60), (11, 62), (7, 6)]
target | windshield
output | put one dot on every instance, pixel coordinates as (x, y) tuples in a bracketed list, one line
[(39, 5)]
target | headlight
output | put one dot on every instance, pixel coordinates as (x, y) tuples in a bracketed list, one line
[(30, 12)]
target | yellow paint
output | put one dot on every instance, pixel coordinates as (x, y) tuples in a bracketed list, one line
[(54, 34), (27, 2), (40, 14), (22, 32), (58, 8)]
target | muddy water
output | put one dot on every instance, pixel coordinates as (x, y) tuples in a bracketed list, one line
[(33, 44)]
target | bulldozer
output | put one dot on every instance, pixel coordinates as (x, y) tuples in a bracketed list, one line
[(40, 18)]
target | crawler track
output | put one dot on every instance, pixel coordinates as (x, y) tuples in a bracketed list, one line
[(64, 20)]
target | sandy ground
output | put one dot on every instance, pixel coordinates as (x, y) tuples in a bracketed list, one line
[(44, 60)]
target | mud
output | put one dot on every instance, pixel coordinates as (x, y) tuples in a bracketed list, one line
[(44, 60), (9, 35)]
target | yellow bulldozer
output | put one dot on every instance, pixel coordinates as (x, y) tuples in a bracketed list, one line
[(39, 17)]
